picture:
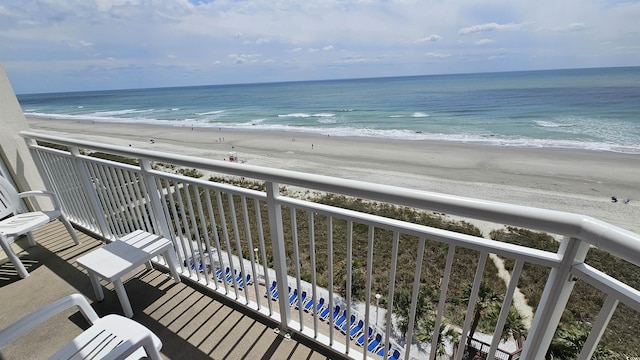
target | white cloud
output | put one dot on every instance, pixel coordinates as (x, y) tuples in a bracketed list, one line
[(260, 41), (429, 38), (491, 27), (328, 48), (356, 60), (238, 58), (4, 11), (437, 55), (244, 58), (484, 41), (571, 27)]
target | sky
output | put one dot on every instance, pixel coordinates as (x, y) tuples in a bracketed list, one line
[(80, 45)]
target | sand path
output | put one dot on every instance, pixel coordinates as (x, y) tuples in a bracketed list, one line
[(519, 301)]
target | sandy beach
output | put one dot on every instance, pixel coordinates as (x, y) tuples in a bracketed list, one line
[(566, 180)]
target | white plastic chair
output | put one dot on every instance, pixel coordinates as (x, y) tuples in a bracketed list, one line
[(112, 337), (23, 223)]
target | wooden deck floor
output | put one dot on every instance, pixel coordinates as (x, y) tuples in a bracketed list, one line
[(192, 323)]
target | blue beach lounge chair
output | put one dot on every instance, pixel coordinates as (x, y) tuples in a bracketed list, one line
[(320, 305), (360, 341), (375, 343), (273, 287), (242, 283), (193, 266), (238, 279), (380, 351), (346, 326), (313, 306), (275, 294), (336, 314), (356, 330), (301, 300), (326, 312), (293, 297), (395, 355), (340, 320), (222, 276), (308, 305), (230, 276)]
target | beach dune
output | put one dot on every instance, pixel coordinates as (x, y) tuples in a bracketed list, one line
[(575, 181)]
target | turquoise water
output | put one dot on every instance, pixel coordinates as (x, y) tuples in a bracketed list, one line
[(593, 109)]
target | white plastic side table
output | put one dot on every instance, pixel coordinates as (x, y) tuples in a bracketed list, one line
[(113, 261)]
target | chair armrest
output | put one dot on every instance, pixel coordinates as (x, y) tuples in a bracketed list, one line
[(39, 316), (50, 194), (141, 340)]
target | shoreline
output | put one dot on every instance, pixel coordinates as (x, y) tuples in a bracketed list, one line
[(577, 181)]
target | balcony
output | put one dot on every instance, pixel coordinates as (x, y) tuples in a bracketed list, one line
[(192, 322), (269, 224)]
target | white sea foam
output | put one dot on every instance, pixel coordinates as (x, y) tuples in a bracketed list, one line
[(551, 124), (260, 124), (305, 115), (419, 115), (120, 112), (94, 118), (214, 112), (252, 123), (295, 115), (607, 135), (460, 137)]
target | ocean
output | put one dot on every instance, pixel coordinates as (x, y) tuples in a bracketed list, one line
[(591, 109)]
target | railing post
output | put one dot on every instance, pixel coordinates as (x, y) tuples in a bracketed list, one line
[(158, 219), (279, 254), (554, 299), (90, 192)]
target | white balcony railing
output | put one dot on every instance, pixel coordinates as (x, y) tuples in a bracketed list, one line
[(266, 234)]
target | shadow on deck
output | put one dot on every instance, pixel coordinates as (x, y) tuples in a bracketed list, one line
[(192, 323)]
